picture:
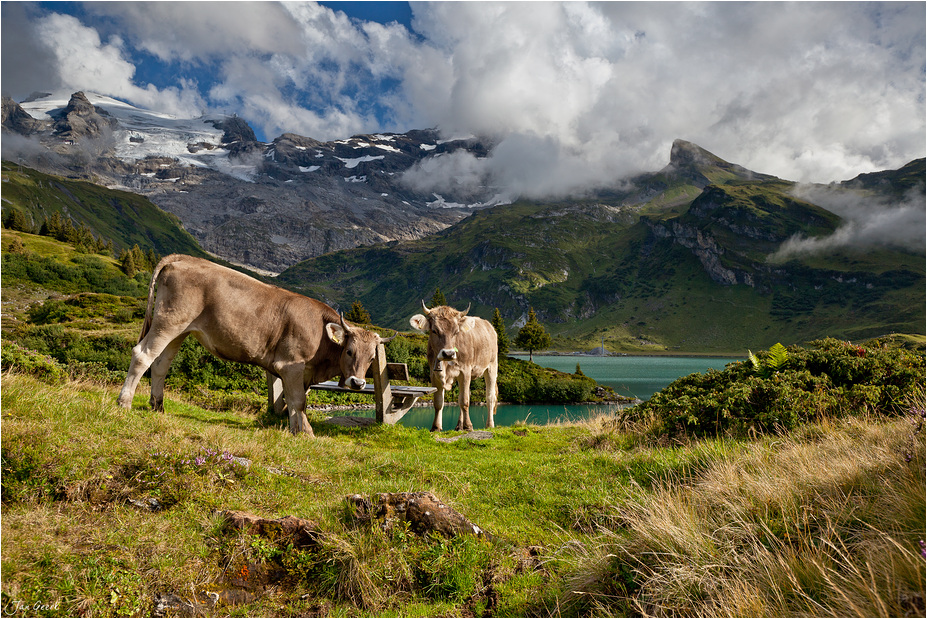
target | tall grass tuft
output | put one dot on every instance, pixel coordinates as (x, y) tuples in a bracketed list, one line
[(828, 522)]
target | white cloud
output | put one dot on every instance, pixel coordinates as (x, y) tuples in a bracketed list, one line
[(192, 31), (807, 91), (84, 62), (866, 222), (810, 91)]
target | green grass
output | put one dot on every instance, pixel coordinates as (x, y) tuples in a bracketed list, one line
[(589, 520)]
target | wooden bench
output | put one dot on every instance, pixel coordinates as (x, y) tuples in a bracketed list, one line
[(390, 402)]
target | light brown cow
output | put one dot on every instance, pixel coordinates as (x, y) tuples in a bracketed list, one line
[(460, 348), (295, 339)]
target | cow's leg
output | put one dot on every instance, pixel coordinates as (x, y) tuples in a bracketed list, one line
[(463, 399), (275, 401), (491, 376), (143, 355), (294, 390), (159, 371), (439, 410)]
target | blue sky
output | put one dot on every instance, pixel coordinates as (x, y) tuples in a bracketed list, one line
[(570, 95)]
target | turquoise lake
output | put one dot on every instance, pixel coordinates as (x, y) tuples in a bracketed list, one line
[(634, 376)]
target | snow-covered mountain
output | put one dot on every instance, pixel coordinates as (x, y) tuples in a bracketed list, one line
[(265, 205)]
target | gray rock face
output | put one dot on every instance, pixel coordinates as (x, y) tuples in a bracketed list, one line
[(17, 120), (82, 119)]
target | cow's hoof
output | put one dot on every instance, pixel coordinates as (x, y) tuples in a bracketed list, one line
[(299, 425)]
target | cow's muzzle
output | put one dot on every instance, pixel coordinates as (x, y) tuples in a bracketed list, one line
[(445, 354), (355, 383)]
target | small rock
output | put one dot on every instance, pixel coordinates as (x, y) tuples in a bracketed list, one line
[(151, 504)]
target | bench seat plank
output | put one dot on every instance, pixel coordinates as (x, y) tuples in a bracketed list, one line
[(332, 385)]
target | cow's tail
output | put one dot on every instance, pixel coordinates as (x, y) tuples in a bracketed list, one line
[(149, 310)]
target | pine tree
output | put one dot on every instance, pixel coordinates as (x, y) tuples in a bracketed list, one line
[(69, 232), (53, 225), (17, 220), (128, 264), (153, 259), (499, 325), (138, 256), (358, 315), (532, 336), (438, 298)]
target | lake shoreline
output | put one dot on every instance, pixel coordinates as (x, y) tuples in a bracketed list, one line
[(656, 353)]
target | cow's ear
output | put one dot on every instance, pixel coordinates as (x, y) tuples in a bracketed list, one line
[(335, 333), (419, 322), (468, 323)]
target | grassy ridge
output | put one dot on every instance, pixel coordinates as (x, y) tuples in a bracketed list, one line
[(122, 217)]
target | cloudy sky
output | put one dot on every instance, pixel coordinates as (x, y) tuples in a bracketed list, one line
[(572, 94)]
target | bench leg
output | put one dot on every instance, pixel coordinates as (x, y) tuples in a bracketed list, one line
[(402, 404)]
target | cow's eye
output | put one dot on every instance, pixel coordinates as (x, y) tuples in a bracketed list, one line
[(350, 353)]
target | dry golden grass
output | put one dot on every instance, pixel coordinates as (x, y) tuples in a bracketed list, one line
[(828, 522)]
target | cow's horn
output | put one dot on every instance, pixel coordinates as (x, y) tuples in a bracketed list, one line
[(425, 308), (343, 323), (466, 311), (384, 340)]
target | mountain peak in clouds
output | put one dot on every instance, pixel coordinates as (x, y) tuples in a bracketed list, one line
[(82, 119), (703, 168)]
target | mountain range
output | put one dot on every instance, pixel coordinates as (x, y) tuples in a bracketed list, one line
[(703, 255), (263, 205)]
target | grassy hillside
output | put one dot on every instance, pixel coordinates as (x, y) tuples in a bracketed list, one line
[(590, 271), (124, 218)]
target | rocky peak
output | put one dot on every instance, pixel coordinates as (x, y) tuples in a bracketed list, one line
[(17, 120), (702, 168), (82, 119), (238, 136), (684, 154)]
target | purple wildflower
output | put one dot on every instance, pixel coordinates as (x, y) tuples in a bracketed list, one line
[(923, 549), (200, 461)]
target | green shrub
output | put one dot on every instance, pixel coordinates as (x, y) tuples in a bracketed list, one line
[(84, 272), (522, 382), (15, 357), (67, 346), (781, 388)]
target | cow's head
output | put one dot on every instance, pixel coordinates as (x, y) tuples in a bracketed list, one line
[(442, 324), (358, 348)]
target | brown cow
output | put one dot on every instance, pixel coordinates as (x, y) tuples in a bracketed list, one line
[(461, 348), (294, 338)]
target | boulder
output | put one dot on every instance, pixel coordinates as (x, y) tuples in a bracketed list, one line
[(423, 511)]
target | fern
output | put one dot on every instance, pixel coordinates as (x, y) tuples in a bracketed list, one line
[(777, 358)]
